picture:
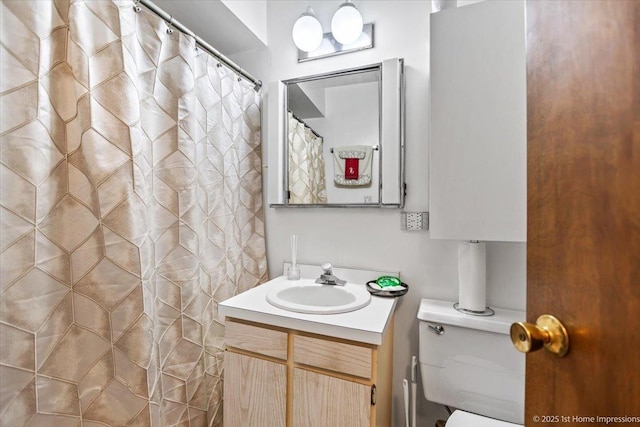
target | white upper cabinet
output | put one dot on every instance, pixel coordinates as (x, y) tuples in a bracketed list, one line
[(478, 170)]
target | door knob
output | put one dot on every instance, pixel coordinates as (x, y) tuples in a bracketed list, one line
[(548, 332)]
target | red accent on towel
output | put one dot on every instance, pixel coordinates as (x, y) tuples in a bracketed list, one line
[(351, 168)]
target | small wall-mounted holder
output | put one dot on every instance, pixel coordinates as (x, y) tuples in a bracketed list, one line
[(331, 47)]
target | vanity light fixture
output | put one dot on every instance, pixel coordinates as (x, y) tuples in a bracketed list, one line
[(347, 23), (348, 33), (307, 32)]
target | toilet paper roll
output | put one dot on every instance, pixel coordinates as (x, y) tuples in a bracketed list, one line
[(472, 276)]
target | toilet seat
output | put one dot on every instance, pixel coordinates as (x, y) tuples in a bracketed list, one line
[(467, 419)]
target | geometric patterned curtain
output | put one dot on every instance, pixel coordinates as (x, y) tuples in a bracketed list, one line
[(130, 206), (307, 182)]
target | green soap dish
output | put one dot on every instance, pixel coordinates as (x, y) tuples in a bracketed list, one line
[(386, 281)]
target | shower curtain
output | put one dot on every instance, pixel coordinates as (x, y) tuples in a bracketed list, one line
[(307, 182), (130, 206)]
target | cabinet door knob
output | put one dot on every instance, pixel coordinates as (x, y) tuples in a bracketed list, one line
[(547, 332)]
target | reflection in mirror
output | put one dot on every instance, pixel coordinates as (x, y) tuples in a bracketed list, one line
[(306, 163), (333, 134), (337, 139)]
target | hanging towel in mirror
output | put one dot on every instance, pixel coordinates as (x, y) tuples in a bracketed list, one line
[(352, 165)]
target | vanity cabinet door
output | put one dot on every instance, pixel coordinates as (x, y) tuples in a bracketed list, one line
[(324, 401), (254, 392), (478, 144)]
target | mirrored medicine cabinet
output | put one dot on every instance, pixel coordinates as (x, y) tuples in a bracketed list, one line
[(337, 139)]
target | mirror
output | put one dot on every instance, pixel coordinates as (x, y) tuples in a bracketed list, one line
[(336, 140)]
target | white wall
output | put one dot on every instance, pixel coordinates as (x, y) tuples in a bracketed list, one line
[(372, 238), (253, 13), (358, 102)]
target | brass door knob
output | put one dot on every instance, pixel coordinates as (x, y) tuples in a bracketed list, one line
[(548, 332)]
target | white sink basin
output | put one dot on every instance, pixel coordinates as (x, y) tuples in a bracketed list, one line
[(306, 296)]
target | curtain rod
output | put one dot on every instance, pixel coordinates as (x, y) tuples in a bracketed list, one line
[(257, 84), (307, 126)]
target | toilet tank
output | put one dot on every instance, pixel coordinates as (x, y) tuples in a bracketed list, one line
[(469, 363)]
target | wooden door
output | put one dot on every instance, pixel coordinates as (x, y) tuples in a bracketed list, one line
[(324, 401), (254, 392), (583, 253)]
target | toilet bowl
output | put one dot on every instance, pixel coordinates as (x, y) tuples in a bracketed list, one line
[(468, 362)]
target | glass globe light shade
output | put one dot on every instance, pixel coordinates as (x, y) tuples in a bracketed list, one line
[(346, 24), (307, 32)]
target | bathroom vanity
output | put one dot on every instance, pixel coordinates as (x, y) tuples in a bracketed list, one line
[(285, 368)]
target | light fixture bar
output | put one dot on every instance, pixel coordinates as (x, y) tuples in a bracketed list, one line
[(331, 47)]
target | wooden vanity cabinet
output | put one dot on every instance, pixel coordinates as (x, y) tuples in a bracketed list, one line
[(283, 377)]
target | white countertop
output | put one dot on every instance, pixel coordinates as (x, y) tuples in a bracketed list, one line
[(367, 324)]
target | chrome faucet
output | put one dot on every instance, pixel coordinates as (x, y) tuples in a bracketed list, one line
[(327, 277)]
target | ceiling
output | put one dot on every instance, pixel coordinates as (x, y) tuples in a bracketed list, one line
[(212, 21)]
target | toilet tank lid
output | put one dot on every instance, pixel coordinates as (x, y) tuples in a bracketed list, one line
[(438, 311)]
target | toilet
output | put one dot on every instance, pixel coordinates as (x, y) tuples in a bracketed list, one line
[(468, 362)]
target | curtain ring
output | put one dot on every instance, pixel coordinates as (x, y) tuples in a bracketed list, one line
[(170, 25), (136, 7)]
